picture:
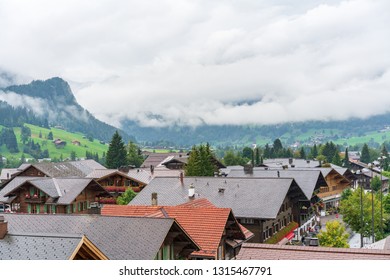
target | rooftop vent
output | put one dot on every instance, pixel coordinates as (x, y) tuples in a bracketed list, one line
[(191, 191), (221, 190)]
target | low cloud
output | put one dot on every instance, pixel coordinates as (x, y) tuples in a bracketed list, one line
[(207, 62)]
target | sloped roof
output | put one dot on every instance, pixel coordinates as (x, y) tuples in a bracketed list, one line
[(119, 238), (308, 180), (279, 162), (247, 197), (157, 159), (255, 251), (103, 173), (68, 168), (12, 185), (6, 173), (204, 224), (22, 246), (141, 175), (383, 244)]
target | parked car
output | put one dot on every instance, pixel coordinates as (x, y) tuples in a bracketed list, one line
[(5, 208)]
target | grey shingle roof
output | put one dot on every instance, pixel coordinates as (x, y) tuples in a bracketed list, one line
[(13, 184), (279, 162), (68, 168), (308, 180), (248, 197), (38, 246), (119, 238), (141, 175)]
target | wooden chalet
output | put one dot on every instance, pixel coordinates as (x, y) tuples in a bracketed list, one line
[(52, 195), (115, 181)]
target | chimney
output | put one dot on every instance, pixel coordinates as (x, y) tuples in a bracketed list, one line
[(290, 161), (3, 227), (248, 169), (182, 178), (7, 176), (154, 199), (191, 191), (278, 174), (151, 169)]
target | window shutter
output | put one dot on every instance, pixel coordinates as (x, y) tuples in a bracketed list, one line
[(29, 208), (45, 209)]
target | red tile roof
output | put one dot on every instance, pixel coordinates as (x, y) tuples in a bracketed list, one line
[(257, 251), (205, 224)]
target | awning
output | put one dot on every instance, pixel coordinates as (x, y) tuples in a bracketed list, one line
[(290, 235)]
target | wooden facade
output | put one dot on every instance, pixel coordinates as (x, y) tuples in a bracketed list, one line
[(264, 229), (30, 199), (331, 193), (117, 183)]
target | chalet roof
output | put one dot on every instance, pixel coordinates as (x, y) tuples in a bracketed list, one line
[(247, 197), (38, 246), (103, 173), (144, 175), (12, 185), (279, 162), (61, 190), (119, 238), (205, 225), (79, 168), (6, 173), (308, 180), (157, 159), (141, 175), (383, 244), (257, 251)]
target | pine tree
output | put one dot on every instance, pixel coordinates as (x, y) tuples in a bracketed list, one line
[(267, 151), (50, 136), (385, 158), (73, 155), (200, 162), (116, 154), (302, 153), (134, 156), (346, 159), (336, 159), (365, 156), (314, 152), (257, 156)]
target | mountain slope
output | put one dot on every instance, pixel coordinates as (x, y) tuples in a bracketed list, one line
[(347, 132), (53, 100)]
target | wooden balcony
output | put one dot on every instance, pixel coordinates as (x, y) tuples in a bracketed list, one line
[(33, 199)]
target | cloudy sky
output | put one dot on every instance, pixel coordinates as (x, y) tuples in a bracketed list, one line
[(169, 62)]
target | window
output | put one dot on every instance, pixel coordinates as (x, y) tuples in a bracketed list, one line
[(247, 221)]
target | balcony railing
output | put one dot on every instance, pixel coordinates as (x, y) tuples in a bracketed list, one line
[(35, 199)]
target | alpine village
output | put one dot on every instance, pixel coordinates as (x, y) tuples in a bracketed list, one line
[(64, 195)]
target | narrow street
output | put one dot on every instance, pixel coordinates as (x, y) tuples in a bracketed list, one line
[(354, 238)]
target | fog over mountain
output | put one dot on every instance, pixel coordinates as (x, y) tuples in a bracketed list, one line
[(52, 102), (193, 63)]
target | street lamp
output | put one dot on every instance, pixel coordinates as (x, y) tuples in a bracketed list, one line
[(371, 166), (360, 184), (381, 160)]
